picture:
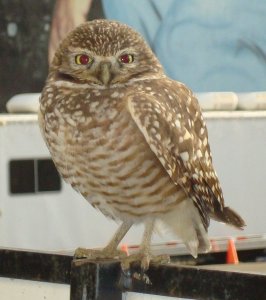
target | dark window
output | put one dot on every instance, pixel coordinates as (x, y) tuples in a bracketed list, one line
[(22, 176), (48, 178), (33, 176)]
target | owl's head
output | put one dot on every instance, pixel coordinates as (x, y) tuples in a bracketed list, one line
[(104, 53)]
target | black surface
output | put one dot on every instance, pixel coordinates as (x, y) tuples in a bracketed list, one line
[(100, 281), (48, 176), (95, 281), (35, 266), (104, 280), (196, 283), (21, 176), (33, 176)]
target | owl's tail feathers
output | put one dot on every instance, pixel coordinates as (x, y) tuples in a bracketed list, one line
[(230, 217), (185, 222)]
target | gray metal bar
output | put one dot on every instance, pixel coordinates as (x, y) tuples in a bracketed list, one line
[(95, 280)]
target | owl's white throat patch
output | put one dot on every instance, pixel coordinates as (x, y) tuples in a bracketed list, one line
[(67, 77)]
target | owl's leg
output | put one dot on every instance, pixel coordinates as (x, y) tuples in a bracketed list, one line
[(110, 251), (144, 255), (145, 246)]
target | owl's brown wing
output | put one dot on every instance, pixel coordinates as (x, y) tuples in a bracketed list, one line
[(172, 124)]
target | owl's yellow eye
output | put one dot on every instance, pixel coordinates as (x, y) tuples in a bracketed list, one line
[(83, 59), (126, 58)]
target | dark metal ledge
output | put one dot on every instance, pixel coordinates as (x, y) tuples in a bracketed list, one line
[(104, 280), (167, 280), (35, 266)]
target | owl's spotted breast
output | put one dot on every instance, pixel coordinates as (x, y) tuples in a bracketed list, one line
[(121, 176)]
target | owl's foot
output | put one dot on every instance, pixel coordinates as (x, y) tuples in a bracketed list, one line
[(97, 254), (145, 259), (108, 252)]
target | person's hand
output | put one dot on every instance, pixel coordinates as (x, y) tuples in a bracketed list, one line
[(67, 15)]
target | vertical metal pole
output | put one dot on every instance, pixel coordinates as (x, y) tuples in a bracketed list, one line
[(95, 280)]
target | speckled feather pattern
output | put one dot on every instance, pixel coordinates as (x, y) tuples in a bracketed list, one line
[(135, 148), (121, 173)]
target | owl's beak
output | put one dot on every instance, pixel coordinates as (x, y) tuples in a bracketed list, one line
[(105, 72)]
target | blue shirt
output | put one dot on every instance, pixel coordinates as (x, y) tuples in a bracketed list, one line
[(209, 45)]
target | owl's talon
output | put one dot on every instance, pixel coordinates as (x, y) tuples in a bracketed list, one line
[(145, 260), (81, 253), (142, 277), (96, 254), (144, 263), (161, 259)]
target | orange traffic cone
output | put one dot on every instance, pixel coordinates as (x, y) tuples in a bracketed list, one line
[(124, 248), (231, 256)]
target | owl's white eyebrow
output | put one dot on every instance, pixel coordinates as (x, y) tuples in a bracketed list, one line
[(129, 50), (79, 50)]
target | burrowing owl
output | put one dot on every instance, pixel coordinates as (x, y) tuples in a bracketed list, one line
[(132, 141)]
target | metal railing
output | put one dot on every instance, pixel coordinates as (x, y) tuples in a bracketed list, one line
[(104, 280)]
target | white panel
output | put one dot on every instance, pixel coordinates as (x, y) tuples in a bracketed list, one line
[(137, 296), (238, 146), (16, 289)]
